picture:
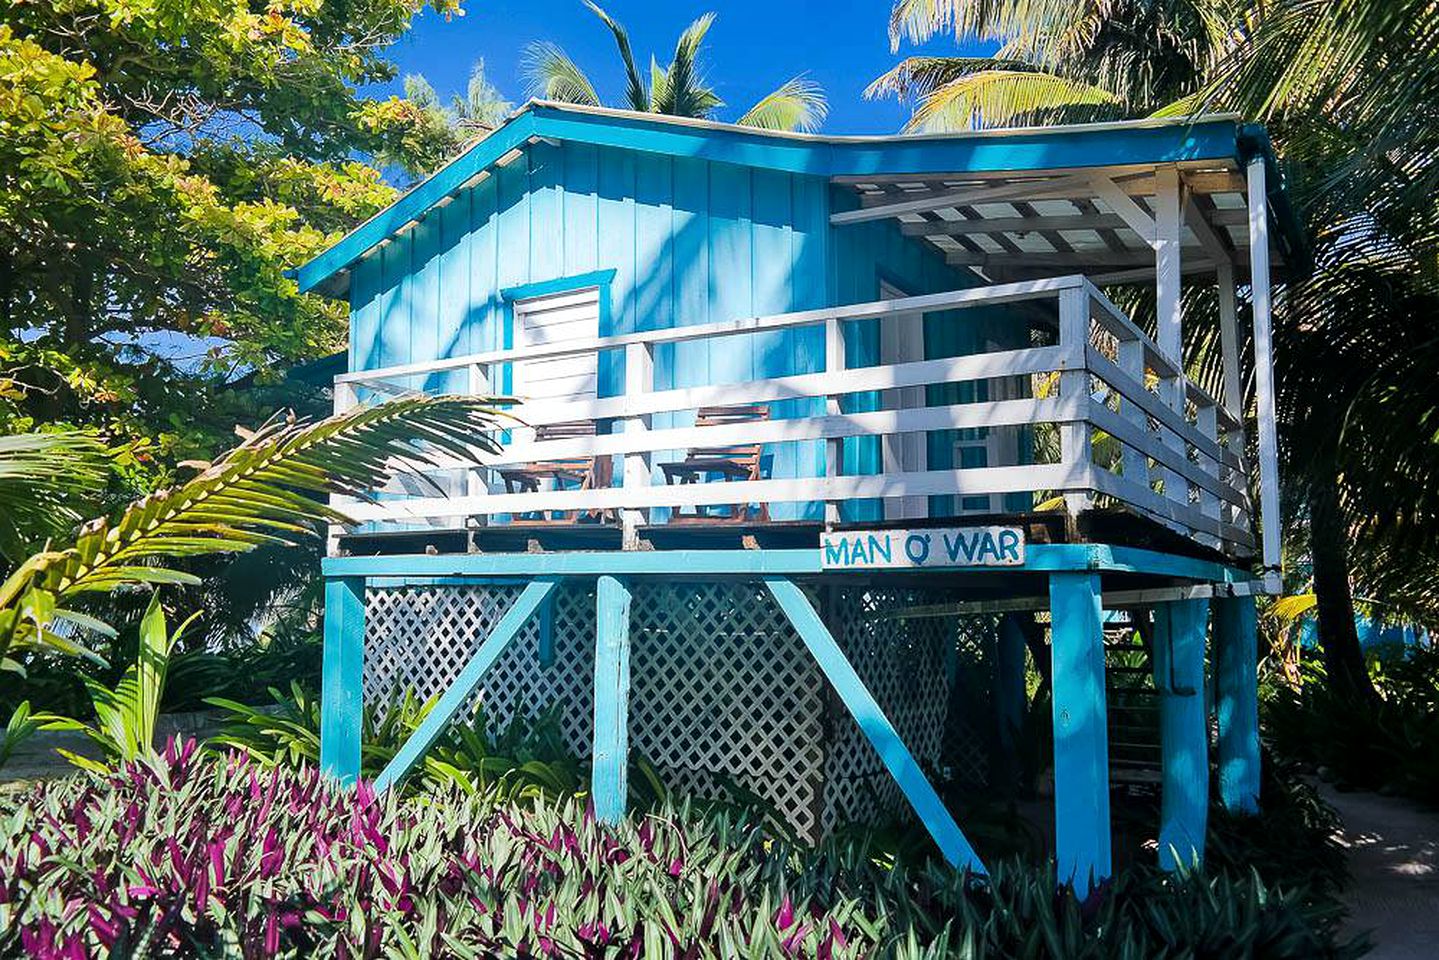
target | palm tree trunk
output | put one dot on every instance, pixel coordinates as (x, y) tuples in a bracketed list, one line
[(1344, 666)]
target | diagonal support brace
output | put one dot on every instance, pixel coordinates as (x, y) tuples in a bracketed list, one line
[(450, 702), (875, 725)]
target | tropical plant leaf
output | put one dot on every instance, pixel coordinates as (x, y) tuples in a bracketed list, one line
[(554, 76), (797, 104), (45, 479), (271, 488), (1003, 98), (636, 94)]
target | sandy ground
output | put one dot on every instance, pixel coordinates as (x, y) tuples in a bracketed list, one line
[(1394, 857)]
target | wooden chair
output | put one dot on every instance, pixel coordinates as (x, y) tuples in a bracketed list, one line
[(585, 473), (734, 462)]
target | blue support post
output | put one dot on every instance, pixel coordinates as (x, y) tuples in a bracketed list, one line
[(452, 699), (609, 782), (1009, 697), (875, 725), (1081, 737), (1179, 629), (341, 673), (1236, 674)]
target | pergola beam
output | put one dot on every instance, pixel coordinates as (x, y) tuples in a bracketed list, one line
[(1017, 190)]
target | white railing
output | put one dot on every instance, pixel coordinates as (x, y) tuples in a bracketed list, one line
[(1175, 455)]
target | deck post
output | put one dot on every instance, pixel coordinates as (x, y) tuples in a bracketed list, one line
[(1264, 371), (1081, 737), (1179, 629), (1009, 698), (609, 772), (465, 683), (875, 726), (342, 673), (1168, 283), (1075, 436), (834, 359), (1237, 681), (638, 468)]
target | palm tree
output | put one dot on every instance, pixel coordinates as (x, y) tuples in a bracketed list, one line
[(1349, 88), (1058, 61), (677, 90), (269, 490)]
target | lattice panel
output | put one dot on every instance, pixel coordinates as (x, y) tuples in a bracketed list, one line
[(902, 662), (721, 686), (722, 690), (420, 637)]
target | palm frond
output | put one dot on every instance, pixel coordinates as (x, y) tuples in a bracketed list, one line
[(797, 104), (920, 20), (1002, 98), (552, 75), (685, 90), (44, 479), (636, 94), (268, 490), (918, 77)]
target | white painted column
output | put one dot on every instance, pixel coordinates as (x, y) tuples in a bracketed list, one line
[(639, 378), (1233, 381), (1167, 280), (1264, 371), (834, 360), (1074, 437)]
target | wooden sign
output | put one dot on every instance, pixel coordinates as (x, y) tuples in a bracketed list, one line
[(922, 549)]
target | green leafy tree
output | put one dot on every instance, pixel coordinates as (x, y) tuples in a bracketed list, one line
[(468, 117), (162, 165), (679, 89)]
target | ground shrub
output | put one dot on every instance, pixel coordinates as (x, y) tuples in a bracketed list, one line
[(193, 854)]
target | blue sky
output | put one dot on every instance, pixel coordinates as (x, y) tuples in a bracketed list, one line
[(753, 47)]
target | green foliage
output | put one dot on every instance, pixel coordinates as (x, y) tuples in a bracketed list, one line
[(268, 490), (1392, 746), (126, 714), (678, 90), (526, 758), (216, 856), (21, 726), (44, 478)]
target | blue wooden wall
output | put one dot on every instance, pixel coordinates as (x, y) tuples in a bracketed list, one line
[(690, 241)]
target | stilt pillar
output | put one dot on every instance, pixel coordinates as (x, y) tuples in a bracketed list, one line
[(341, 675), (1081, 744), (609, 774), (1236, 675), (1179, 628)]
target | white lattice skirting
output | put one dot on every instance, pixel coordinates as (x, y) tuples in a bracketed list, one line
[(722, 688)]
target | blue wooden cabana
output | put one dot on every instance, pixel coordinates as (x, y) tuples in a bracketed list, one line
[(794, 407)]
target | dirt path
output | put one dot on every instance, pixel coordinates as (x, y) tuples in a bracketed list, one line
[(1394, 858)]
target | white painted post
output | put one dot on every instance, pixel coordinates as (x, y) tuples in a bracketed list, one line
[(345, 398), (1264, 371), (478, 385), (639, 378), (1135, 462), (1207, 423), (1168, 276), (1074, 437), (1233, 384), (834, 360)]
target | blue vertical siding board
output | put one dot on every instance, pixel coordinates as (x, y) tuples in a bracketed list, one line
[(731, 290), (513, 238), (808, 279), (342, 674), (1236, 677), (425, 300), (616, 226), (547, 248), (691, 250), (581, 243), (451, 336), (771, 270), (395, 303), (1179, 631), (483, 319), (365, 283), (654, 243)]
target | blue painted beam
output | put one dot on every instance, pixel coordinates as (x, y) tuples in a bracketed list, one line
[(1236, 675), (875, 725), (341, 673), (452, 699), (1081, 738), (609, 785), (1039, 558), (1179, 629)]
